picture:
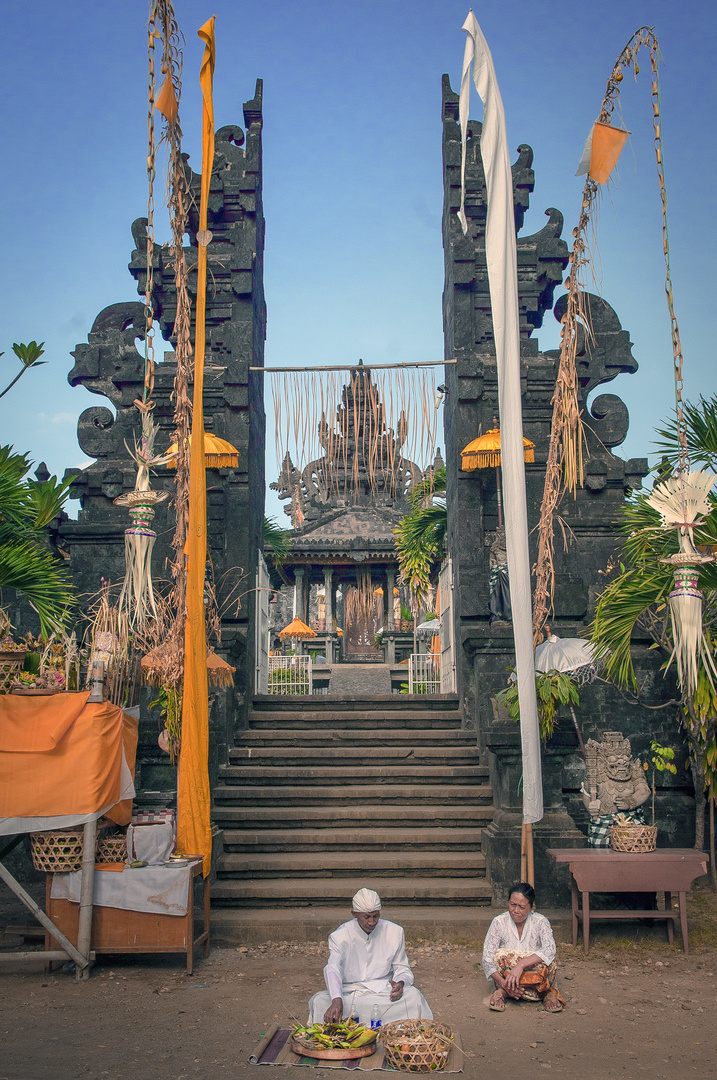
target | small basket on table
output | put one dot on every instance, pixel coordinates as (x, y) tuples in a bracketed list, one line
[(628, 835)]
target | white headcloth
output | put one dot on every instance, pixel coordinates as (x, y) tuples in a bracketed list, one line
[(366, 900)]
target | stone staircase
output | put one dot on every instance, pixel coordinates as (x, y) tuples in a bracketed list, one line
[(326, 795)]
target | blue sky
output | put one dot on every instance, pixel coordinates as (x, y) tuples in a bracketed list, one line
[(352, 175)]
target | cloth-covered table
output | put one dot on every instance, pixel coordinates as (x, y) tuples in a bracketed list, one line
[(162, 889), (144, 910), (64, 761)]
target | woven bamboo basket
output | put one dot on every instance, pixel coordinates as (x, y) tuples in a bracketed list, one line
[(416, 1045), (633, 837), (112, 849), (11, 663), (57, 850)]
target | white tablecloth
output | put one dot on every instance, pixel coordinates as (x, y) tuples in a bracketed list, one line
[(160, 889)]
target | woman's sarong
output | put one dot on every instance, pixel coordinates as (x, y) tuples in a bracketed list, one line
[(535, 981)]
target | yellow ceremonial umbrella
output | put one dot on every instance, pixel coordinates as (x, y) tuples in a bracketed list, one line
[(218, 453), (296, 629), (484, 453)]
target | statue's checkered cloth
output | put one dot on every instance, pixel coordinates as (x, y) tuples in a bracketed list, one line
[(599, 832)]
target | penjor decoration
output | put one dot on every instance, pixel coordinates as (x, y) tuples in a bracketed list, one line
[(137, 595), (683, 501)]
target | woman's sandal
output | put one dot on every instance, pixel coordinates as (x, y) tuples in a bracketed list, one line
[(497, 1001), (559, 1003)]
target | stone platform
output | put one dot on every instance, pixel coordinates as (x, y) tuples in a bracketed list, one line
[(451, 925)]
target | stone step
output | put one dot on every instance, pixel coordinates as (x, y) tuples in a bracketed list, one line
[(297, 736), (349, 750), (350, 774), (458, 924), (345, 721), (405, 816), (344, 863), (335, 703), (353, 839), (330, 891), (322, 795)]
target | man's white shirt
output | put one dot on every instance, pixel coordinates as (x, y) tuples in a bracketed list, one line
[(360, 961)]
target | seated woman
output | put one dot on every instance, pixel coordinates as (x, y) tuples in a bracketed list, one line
[(519, 953)]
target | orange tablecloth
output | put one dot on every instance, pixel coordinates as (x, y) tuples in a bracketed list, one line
[(59, 755)]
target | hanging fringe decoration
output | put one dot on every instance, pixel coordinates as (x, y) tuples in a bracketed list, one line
[(353, 433), (683, 502), (564, 468), (360, 600)]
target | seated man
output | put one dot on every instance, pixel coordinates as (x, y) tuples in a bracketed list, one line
[(368, 966)]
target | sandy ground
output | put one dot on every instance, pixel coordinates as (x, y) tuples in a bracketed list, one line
[(637, 1006)]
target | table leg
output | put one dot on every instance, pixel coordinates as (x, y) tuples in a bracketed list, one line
[(670, 922), (189, 932), (586, 922), (683, 921), (206, 915), (574, 908)]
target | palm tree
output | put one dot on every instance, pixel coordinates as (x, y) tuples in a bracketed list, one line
[(27, 564), (421, 534), (637, 599)]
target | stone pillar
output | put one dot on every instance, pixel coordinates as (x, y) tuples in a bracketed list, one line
[(329, 610), (501, 840), (390, 585), (299, 586)]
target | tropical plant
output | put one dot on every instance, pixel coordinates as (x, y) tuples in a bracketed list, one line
[(636, 599), (26, 562), (420, 535), (553, 689), (29, 356), (662, 758)]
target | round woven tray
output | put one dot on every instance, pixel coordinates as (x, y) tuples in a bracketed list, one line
[(326, 1053), (633, 837), (416, 1045), (33, 691)]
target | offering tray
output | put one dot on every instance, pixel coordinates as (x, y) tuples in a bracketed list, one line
[(331, 1053)]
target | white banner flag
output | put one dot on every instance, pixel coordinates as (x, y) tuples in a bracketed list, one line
[(501, 257)]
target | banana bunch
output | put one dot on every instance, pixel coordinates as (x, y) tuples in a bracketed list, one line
[(344, 1036)]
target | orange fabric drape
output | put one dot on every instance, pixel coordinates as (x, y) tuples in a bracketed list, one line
[(606, 148), (194, 833), (47, 774)]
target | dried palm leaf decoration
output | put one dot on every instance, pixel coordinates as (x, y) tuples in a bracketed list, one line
[(355, 431), (137, 598), (564, 469), (683, 502)]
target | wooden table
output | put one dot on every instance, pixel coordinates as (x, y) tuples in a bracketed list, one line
[(666, 870), (115, 930)]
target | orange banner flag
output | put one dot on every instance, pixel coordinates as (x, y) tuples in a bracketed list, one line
[(194, 832), (607, 144), (167, 100)]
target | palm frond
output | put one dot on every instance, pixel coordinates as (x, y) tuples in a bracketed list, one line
[(277, 540), (34, 571), (701, 431), (434, 483)]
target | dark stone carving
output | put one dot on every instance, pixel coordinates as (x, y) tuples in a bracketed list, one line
[(587, 521), (110, 365)]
